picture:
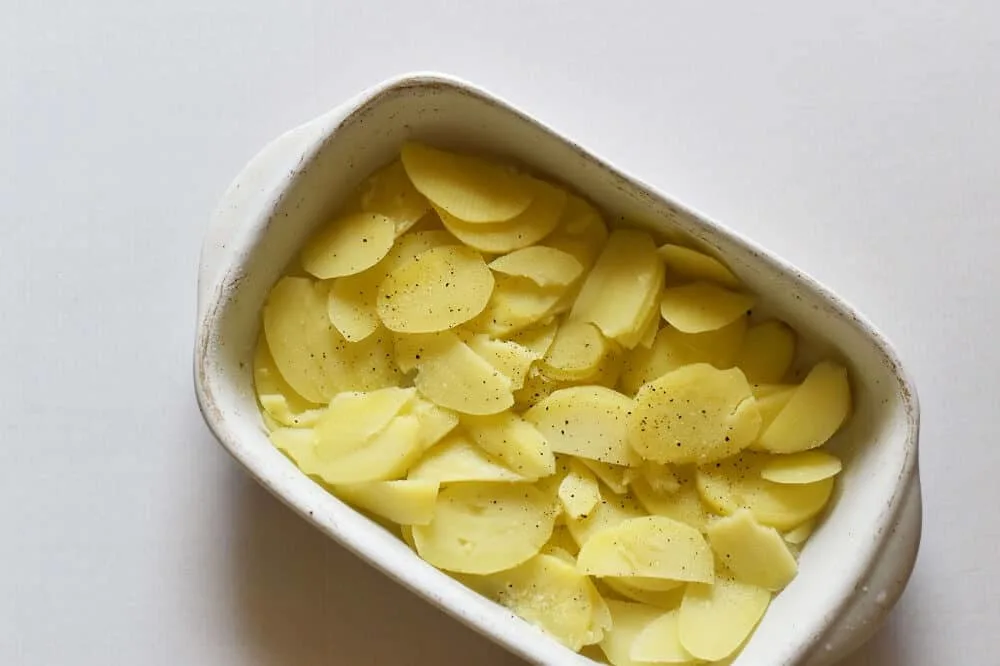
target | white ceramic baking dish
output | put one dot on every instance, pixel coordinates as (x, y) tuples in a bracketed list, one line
[(854, 567)]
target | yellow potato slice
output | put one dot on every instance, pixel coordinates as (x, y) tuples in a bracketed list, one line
[(770, 405), (435, 422), (652, 547), (483, 528), (623, 286), (389, 192), (578, 491), (516, 304), (537, 387), (386, 456), (470, 188), (755, 554), (576, 352), (514, 441), (457, 459), (669, 599), (767, 353), (547, 592), (715, 620), (562, 540), (349, 245), (611, 511), (581, 232), (816, 411), (737, 484), (694, 414), (296, 443), (702, 306), (693, 265), (799, 535), (402, 502), (354, 417), (615, 477), (672, 349), (628, 622), (278, 399), (545, 266), (451, 375), (537, 339), (683, 505), (660, 478), (586, 421), (660, 642), (435, 291), (509, 357), (799, 468), (406, 534)]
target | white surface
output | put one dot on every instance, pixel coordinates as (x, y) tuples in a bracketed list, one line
[(861, 143)]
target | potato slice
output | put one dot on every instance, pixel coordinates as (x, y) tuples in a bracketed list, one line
[(435, 291), (470, 188), (715, 620), (389, 192), (581, 232), (537, 339), (452, 375), (586, 421), (767, 353), (545, 266), (402, 502), (483, 528), (755, 554), (406, 534), (514, 441), (660, 478), (349, 245), (673, 349), (610, 511), (800, 534), (386, 456), (651, 546), (683, 505), (562, 540), (799, 468), (628, 622), (578, 491), (278, 399), (547, 592), (510, 358), (576, 352), (531, 226), (660, 642), (296, 443), (696, 413), (693, 265), (537, 387), (516, 304), (737, 484), (669, 599), (814, 413), (615, 477), (457, 458), (702, 306), (354, 417), (435, 422)]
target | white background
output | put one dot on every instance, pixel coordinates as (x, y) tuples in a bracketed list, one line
[(860, 140)]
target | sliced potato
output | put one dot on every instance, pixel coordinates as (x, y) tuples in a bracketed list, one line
[(800, 534), (402, 502), (354, 417), (628, 621), (537, 339), (615, 477), (576, 352), (406, 534), (349, 245), (651, 546), (586, 421), (737, 483), (470, 188), (537, 387), (693, 265), (296, 443), (452, 375), (509, 357), (278, 399), (622, 287), (368, 363), (562, 540), (384, 457), (669, 599), (545, 266), (755, 554), (435, 291), (516, 304), (716, 619), (457, 458), (770, 405), (684, 504), (767, 352), (815, 411), (660, 642), (701, 307), (694, 414), (799, 468), (581, 232), (389, 192), (612, 510), (514, 441), (435, 422), (660, 478), (578, 491), (483, 528)]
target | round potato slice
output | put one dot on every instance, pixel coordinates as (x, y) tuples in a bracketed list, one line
[(470, 188), (610, 511), (693, 265), (402, 502), (815, 412), (389, 192), (278, 399), (684, 504), (755, 554), (581, 232), (714, 620), (349, 245), (695, 414), (516, 304), (767, 352), (451, 375), (628, 621), (483, 528), (435, 291), (514, 441), (798, 468), (576, 352), (667, 599), (586, 421), (457, 459), (660, 642), (545, 266), (702, 306)]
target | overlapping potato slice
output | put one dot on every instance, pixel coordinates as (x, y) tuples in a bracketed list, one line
[(579, 492), (545, 266), (402, 502), (276, 397), (576, 353), (389, 192), (693, 265), (610, 511), (815, 411), (715, 620), (514, 441), (684, 504), (516, 304), (511, 358), (349, 245), (660, 642), (767, 352), (451, 375), (586, 421), (628, 622), (755, 554), (702, 306), (668, 599), (581, 232), (456, 458), (804, 467)]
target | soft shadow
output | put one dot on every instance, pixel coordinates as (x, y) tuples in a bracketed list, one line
[(301, 600)]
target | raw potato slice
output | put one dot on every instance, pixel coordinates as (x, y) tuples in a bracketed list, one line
[(660, 642), (510, 358), (456, 458), (669, 599), (384, 457), (813, 414), (801, 534), (684, 504), (576, 352), (389, 192), (755, 554), (716, 619), (531, 226), (737, 484), (628, 621), (349, 245), (436, 290), (278, 399), (615, 477), (672, 349), (514, 441), (799, 468), (483, 528), (454, 376), (470, 188), (622, 287), (693, 265), (695, 414), (547, 592), (402, 502), (578, 491), (545, 266), (653, 547), (767, 353), (586, 421), (701, 307), (353, 418), (612, 510), (516, 304)]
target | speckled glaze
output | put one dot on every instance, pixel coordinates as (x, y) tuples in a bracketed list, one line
[(858, 561)]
